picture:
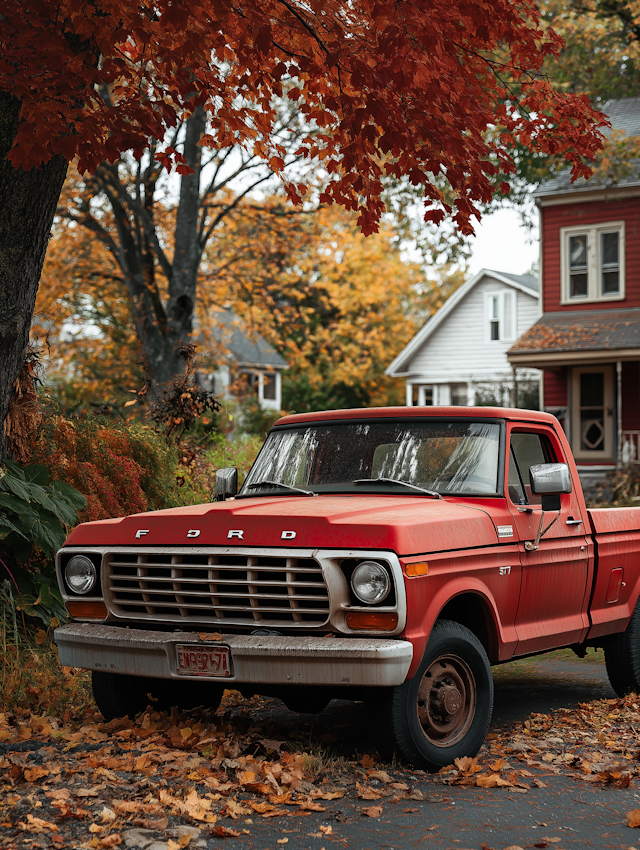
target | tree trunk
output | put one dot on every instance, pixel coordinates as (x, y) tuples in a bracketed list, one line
[(27, 206)]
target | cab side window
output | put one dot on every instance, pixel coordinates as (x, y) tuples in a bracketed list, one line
[(527, 450)]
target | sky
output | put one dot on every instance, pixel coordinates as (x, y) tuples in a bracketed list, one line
[(503, 244)]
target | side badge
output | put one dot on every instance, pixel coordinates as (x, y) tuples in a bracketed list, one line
[(287, 535), (141, 532), (505, 531)]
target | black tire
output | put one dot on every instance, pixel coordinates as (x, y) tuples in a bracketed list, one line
[(118, 696), (444, 712), (622, 657)]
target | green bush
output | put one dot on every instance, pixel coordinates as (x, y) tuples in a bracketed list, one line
[(35, 516)]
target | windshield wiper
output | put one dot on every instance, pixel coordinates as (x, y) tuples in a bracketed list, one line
[(266, 483), (433, 493)]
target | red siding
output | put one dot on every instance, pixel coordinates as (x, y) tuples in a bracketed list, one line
[(631, 396), (555, 388), (596, 212)]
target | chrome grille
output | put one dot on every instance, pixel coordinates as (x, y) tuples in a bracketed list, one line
[(217, 588)]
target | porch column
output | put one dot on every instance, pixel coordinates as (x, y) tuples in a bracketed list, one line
[(409, 394), (514, 386), (619, 379)]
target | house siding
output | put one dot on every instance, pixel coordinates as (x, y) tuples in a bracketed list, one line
[(458, 349), (588, 214), (556, 388)]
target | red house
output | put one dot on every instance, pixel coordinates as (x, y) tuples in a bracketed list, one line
[(587, 341)]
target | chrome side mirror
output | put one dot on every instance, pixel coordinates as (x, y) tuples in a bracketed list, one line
[(226, 483), (549, 480)]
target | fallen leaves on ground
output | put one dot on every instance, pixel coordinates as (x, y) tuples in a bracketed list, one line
[(597, 743), (633, 818), (90, 784), (373, 811)]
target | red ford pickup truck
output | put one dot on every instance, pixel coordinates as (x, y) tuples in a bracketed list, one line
[(387, 555)]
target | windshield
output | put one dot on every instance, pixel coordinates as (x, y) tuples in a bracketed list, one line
[(447, 457)]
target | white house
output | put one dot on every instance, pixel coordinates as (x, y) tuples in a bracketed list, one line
[(459, 357), (251, 363)]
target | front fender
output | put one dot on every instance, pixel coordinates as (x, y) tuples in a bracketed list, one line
[(481, 574)]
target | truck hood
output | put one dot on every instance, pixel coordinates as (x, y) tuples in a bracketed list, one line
[(407, 525)]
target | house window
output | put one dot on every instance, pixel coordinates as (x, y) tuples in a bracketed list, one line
[(269, 386), (592, 413), (459, 395), (592, 263), (500, 313)]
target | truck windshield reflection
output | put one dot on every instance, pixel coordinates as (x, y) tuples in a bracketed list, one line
[(446, 458)]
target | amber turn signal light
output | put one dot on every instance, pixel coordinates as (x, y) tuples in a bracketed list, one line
[(419, 569), (82, 610), (382, 621)]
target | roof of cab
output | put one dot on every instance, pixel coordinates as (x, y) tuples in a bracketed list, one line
[(510, 413)]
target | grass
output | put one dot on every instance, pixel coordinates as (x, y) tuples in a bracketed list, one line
[(31, 678)]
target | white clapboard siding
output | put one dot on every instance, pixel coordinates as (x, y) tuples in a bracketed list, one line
[(459, 349)]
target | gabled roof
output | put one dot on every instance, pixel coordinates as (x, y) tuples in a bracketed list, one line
[(245, 350), (524, 282), (624, 116)]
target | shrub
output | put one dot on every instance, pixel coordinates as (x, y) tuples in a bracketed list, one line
[(121, 468), (35, 516)]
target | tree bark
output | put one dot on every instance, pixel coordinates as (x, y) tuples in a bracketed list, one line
[(28, 202)]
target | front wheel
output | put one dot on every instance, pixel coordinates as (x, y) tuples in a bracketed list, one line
[(622, 657), (444, 712)]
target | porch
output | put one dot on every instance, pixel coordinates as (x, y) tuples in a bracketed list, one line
[(591, 382)]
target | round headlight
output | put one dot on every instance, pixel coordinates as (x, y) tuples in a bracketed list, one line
[(370, 582), (80, 574)]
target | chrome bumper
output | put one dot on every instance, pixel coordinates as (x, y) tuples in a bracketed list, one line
[(372, 662)]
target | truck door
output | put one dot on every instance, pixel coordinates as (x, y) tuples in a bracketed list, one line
[(551, 611)]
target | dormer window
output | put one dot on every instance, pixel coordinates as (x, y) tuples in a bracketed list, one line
[(592, 263)]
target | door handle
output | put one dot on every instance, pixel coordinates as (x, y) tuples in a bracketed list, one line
[(572, 521)]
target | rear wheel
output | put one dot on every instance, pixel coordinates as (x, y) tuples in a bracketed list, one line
[(622, 657), (117, 695), (444, 712)]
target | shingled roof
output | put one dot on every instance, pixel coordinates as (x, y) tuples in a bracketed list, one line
[(624, 116), (246, 350), (576, 331)]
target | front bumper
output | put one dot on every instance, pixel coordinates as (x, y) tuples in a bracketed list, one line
[(255, 659)]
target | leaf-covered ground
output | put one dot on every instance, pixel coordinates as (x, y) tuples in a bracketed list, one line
[(165, 782)]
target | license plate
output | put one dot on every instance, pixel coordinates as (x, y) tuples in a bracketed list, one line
[(194, 660)]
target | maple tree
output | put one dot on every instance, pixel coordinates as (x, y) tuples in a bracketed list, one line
[(398, 90)]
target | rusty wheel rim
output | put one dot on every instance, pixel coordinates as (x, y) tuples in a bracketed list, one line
[(447, 699)]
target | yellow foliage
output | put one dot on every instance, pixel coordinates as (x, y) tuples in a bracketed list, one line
[(338, 306)]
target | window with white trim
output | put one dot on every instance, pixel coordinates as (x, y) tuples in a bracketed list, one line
[(592, 260), (500, 316)]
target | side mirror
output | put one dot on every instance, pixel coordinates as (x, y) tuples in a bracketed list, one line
[(226, 483), (550, 479)]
